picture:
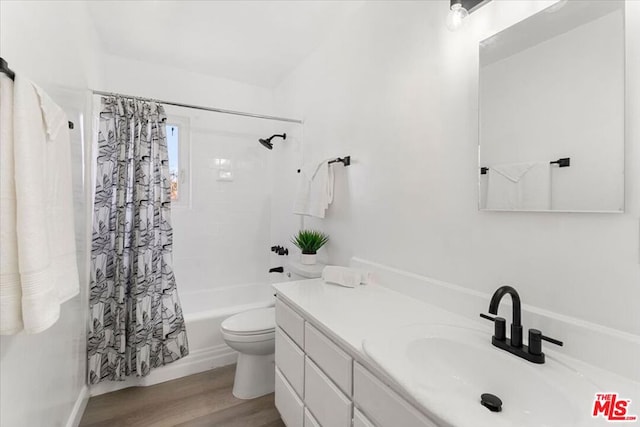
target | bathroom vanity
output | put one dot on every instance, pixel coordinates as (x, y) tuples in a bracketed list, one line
[(323, 376), (322, 383), (347, 357)]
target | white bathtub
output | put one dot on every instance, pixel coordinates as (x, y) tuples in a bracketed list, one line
[(203, 312), (225, 301)]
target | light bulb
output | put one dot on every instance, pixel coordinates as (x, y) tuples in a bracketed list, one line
[(456, 17)]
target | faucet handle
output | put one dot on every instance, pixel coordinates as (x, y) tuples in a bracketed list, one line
[(500, 326), (552, 340), (535, 341)]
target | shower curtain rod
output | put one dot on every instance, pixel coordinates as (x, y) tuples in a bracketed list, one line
[(198, 107)]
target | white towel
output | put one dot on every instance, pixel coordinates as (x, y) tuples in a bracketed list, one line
[(519, 186), (344, 276), (10, 291), (315, 190), (39, 268), (60, 209)]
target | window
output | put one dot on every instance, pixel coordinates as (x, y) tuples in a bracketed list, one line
[(177, 131)]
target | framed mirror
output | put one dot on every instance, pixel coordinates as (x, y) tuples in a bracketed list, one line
[(551, 104)]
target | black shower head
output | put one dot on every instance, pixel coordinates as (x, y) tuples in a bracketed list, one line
[(267, 142)]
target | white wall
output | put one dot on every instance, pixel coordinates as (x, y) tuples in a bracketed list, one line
[(42, 376), (397, 91), (132, 77)]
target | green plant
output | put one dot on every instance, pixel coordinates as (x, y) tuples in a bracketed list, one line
[(309, 241)]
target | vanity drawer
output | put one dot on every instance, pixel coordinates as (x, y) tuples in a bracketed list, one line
[(309, 421), (359, 420), (290, 322), (287, 402), (382, 405), (290, 361), (334, 362), (325, 400)]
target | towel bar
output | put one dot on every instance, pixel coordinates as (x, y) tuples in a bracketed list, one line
[(563, 162), (4, 68), (346, 161)]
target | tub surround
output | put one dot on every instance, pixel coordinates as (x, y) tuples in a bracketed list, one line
[(348, 317)]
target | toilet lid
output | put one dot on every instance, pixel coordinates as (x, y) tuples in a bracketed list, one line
[(251, 322)]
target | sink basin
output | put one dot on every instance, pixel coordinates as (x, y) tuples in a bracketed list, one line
[(446, 369)]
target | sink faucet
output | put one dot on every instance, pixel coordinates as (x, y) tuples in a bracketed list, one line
[(532, 352), (516, 325)]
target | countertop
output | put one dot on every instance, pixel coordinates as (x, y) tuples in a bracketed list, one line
[(351, 315)]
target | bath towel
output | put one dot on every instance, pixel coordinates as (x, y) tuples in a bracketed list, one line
[(10, 291), (519, 186), (315, 189), (38, 239)]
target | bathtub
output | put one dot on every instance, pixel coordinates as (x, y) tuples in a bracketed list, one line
[(203, 312)]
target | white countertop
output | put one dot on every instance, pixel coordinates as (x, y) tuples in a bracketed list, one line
[(354, 314), (351, 315)]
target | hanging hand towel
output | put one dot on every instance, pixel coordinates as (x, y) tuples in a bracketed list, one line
[(60, 210), (519, 186), (40, 271), (315, 190)]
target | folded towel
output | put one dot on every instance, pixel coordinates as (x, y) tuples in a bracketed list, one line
[(343, 276), (519, 186), (315, 190), (38, 269)]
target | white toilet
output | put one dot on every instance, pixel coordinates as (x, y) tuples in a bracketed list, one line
[(252, 334)]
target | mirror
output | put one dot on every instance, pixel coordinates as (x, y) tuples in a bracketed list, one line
[(551, 101)]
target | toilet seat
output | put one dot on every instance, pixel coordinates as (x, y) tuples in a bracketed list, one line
[(251, 324), (239, 338)]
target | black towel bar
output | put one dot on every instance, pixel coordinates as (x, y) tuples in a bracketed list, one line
[(4, 68), (346, 161), (563, 162)]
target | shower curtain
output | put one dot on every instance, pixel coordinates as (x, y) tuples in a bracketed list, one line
[(136, 320)]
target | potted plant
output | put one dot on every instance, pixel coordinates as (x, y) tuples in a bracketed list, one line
[(309, 241)]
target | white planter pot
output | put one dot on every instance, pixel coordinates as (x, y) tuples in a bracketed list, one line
[(308, 259)]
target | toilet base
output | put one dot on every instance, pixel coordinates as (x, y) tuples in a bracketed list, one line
[(255, 376)]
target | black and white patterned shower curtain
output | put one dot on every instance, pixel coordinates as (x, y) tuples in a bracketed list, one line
[(136, 320)]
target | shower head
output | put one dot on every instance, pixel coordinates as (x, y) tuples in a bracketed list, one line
[(267, 142)]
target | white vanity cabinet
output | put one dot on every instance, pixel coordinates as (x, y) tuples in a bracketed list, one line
[(318, 383)]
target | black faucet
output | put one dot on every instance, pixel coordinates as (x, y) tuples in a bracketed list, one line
[(516, 316), (533, 352)]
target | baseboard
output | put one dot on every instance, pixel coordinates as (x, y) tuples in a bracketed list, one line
[(78, 408), (197, 361), (607, 348)]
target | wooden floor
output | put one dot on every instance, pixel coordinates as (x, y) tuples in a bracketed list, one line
[(200, 400)]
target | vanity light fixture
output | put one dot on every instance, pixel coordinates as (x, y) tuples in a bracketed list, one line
[(459, 10)]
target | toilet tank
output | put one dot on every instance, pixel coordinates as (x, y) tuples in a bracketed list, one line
[(294, 270)]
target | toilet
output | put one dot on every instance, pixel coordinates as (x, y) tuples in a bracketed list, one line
[(252, 334)]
